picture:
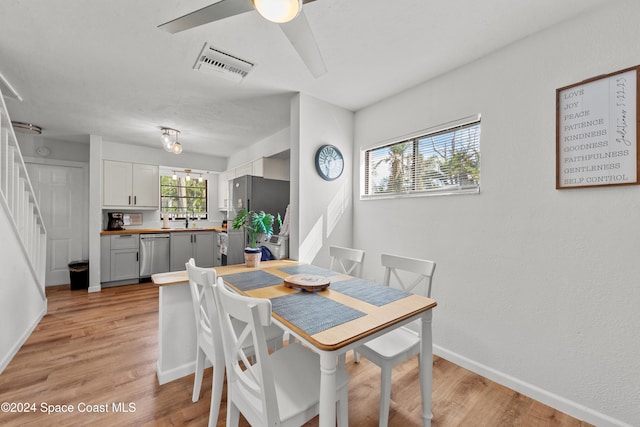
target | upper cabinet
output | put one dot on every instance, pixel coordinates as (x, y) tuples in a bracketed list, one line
[(270, 168), (223, 191), (265, 167), (130, 185)]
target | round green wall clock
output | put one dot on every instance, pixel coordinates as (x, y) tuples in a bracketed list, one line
[(329, 162)]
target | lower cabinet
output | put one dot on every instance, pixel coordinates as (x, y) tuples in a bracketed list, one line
[(197, 245), (120, 258)]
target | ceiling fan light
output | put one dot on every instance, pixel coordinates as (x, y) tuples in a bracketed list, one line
[(278, 11)]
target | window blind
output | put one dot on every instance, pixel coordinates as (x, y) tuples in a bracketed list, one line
[(440, 161)]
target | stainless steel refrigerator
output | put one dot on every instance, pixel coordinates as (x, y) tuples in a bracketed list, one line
[(255, 194)]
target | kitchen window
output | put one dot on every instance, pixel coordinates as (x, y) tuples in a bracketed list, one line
[(183, 195), (440, 160)]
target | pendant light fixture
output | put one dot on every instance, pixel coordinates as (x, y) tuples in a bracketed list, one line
[(174, 176), (170, 140), (278, 11), (188, 172)]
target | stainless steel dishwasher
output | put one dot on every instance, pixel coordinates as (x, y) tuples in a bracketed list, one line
[(154, 254)]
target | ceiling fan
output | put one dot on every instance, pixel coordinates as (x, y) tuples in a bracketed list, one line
[(296, 29)]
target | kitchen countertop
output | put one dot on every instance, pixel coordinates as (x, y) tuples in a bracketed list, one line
[(160, 230)]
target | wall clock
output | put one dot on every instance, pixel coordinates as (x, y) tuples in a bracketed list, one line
[(329, 162)]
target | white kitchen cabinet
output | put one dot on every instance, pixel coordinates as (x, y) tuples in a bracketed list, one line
[(265, 167), (197, 245), (271, 168), (242, 170), (130, 185), (124, 262), (223, 191)]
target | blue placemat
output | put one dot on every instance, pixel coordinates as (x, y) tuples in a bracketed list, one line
[(367, 291), (252, 280), (308, 269), (313, 313)]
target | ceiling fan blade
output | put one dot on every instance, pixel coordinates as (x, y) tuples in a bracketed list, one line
[(214, 12), (301, 37)]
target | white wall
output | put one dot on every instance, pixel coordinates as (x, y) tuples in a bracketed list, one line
[(60, 150), (536, 288), (157, 156), (269, 146), (324, 209)]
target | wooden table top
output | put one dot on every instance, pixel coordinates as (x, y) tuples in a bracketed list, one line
[(375, 318)]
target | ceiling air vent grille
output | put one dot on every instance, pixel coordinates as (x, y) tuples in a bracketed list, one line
[(223, 64)]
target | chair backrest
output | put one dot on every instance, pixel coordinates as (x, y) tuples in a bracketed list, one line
[(348, 260), (249, 375), (421, 272), (201, 282)]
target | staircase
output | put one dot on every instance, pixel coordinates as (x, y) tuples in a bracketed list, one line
[(23, 240)]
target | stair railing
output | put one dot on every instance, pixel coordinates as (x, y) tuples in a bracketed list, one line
[(19, 201)]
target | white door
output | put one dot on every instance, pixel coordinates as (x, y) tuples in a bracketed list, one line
[(62, 193)]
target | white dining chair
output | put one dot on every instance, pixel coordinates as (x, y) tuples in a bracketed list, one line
[(411, 275), (209, 338), (278, 389), (346, 260)]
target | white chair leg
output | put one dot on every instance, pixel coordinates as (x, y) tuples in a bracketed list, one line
[(343, 408), (385, 396), (233, 415), (356, 356), (197, 381), (216, 395)]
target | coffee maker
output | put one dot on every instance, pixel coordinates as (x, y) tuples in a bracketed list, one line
[(116, 221)]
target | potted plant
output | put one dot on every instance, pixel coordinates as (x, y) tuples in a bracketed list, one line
[(256, 224)]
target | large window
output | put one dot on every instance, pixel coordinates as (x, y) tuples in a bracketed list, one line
[(181, 196), (445, 160)]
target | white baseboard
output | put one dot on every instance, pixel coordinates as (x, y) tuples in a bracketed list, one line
[(559, 403), (6, 359), (175, 373)]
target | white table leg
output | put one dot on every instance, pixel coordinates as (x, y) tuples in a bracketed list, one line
[(327, 389), (426, 368)]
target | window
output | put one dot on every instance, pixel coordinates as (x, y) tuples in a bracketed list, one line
[(179, 196), (445, 160)]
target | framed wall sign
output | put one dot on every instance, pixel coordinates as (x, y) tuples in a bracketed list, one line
[(597, 131)]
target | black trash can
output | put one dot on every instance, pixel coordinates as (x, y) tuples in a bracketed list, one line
[(79, 275)]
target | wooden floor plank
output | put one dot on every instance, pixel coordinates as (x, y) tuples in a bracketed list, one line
[(100, 350)]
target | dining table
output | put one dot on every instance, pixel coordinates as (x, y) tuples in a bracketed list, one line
[(342, 316)]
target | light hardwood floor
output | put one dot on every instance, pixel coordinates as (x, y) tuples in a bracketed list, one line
[(98, 352)]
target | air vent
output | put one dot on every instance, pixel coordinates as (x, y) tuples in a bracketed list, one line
[(223, 64), (7, 90)]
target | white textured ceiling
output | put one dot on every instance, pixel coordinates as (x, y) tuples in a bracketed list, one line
[(103, 67)]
